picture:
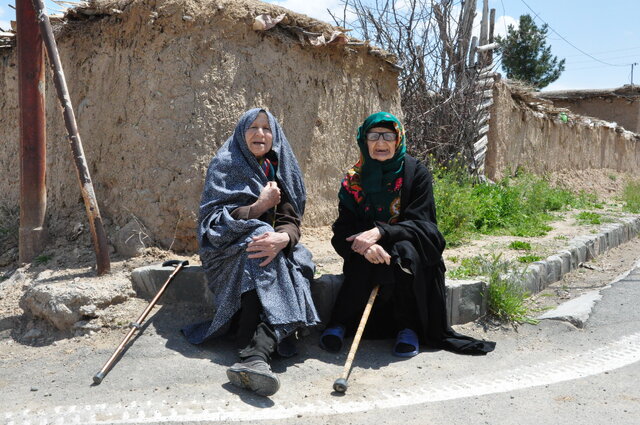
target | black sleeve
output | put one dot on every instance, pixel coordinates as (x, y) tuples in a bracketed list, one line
[(346, 224), (418, 222)]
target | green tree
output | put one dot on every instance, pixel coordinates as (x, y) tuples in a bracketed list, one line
[(526, 56)]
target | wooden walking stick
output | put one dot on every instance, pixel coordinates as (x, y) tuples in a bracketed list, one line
[(340, 385), (98, 377)]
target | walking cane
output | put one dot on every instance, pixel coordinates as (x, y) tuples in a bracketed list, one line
[(340, 385), (97, 379)]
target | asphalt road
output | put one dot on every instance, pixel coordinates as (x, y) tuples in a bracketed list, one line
[(551, 373)]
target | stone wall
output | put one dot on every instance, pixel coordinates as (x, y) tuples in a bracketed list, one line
[(159, 87), (527, 131)]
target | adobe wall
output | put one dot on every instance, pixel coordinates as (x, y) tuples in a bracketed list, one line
[(621, 106), (159, 87), (529, 133)]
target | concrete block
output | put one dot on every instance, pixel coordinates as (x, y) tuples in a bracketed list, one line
[(533, 277), (189, 285), (543, 270), (601, 243), (574, 257), (624, 227), (613, 238), (468, 300), (590, 244), (581, 250), (565, 257), (618, 231), (635, 225), (554, 269)]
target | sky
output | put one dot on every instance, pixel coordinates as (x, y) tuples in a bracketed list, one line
[(599, 40)]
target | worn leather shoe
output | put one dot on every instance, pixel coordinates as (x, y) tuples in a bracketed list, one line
[(255, 375)]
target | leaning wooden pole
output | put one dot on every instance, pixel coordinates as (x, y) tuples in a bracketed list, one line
[(86, 186), (33, 139)]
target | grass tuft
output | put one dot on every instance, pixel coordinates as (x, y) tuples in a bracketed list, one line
[(506, 298), (529, 258), (520, 245), (587, 217), (631, 196)]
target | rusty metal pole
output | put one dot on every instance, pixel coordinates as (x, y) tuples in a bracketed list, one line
[(33, 139), (82, 169)]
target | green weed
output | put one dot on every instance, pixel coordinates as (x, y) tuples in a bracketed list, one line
[(468, 267), (631, 196), (506, 298), (518, 206), (529, 258), (520, 245), (587, 217)]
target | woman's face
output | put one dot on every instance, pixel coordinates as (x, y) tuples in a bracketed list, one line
[(258, 136), (381, 149)]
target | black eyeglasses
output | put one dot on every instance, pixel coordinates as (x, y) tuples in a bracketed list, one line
[(387, 136)]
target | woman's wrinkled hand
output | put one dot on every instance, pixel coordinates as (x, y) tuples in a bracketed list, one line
[(377, 255), (364, 240), (267, 246), (269, 197)]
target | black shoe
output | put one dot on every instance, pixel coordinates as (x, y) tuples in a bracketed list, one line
[(255, 375)]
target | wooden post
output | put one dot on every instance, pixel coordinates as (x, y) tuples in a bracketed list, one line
[(484, 32), (33, 139), (492, 25), (82, 170), (472, 51)]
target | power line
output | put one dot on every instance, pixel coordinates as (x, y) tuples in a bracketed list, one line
[(570, 43), (608, 51), (573, 62)]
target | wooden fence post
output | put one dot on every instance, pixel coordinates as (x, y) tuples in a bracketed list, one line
[(82, 170)]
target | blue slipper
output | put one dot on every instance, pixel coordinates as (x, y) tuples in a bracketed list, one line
[(408, 337), (331, 339)]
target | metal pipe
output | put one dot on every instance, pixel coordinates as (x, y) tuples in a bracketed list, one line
[(82, 169), (33, 142)]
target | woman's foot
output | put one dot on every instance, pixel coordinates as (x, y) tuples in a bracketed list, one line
[(407, 344), (254, 375), (331, 339)]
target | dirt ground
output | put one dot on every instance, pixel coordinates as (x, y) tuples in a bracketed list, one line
[(71, 262)]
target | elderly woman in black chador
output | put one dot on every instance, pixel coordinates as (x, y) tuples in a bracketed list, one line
[(386, 233), (249, 228)]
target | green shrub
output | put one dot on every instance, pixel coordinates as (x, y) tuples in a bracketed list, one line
[(518, 206), (452, 191)]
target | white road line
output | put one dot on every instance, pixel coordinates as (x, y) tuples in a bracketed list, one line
[(609, 357)]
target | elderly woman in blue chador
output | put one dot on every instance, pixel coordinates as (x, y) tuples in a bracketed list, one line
[(386, 232), (249, 229)]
